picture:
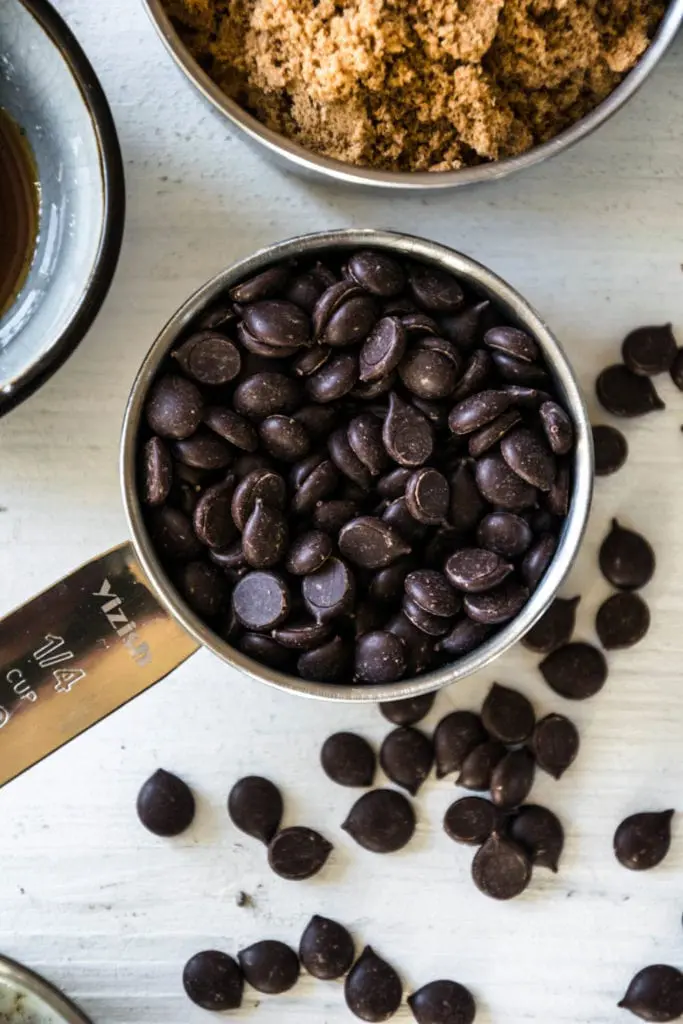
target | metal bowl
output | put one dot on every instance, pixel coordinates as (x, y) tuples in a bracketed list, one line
[(481, 281), (293, 156)]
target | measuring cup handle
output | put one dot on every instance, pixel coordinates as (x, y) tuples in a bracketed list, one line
[(79, 651)]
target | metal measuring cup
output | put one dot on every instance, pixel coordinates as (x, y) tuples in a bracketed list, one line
[(117, 625)]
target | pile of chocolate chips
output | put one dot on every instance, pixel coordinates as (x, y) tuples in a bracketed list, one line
[(355, 469)]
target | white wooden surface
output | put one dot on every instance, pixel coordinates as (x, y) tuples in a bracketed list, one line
[(595, 240)]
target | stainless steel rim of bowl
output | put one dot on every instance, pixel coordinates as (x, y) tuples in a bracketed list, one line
[(485, 282), (113, 186), (23, 980), (305, 161)]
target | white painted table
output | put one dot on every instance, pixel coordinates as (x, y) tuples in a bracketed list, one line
[(595, 240)]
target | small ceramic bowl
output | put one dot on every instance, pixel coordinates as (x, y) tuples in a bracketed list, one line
[(49, 89)]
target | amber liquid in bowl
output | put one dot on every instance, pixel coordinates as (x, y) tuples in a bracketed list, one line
[(18, 209)]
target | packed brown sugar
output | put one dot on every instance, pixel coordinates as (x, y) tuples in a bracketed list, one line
[(416, 85)]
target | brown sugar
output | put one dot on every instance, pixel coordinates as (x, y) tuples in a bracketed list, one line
[(417, 85)]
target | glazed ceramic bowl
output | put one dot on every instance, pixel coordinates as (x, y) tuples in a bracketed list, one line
[(295, 157), (49, 89)]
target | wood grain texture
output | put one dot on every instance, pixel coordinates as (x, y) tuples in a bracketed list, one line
[(595, 241)]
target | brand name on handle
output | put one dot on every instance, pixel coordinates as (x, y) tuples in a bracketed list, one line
[(122, 626)]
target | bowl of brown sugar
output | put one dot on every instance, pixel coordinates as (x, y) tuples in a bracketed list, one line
[(430, 94)]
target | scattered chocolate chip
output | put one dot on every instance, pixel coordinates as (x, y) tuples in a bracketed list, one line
[(372, 989), (406, 757), (538, 831), (477, 767), (626, 559), (622, 621), (455, 737), (296, 853), (507, 715), (348, 759), (623, 393), (408, 711), (512, 778), (642, 840), (255, 807), (555, 744), (269, 966), (501, 869), (575, 671), (326, 949), (213, 980), (610, 448), (648, 351), (165, 804), (470, 820), (655, 994), (381, 821), (442, 1002), (554, 628)]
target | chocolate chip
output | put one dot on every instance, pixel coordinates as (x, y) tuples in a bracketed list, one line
[(501, 868), (526, 397), (365, 438), (623, 393), (284, 438), (537, 559), (442, 1002), (174, 407), (318, 484), (255, 807), (512, 778), (554, 628), (427, 496), (213, 980), (328, 663), (622, 621), (330, 591), (610, 448), (381, 821), (261, 600), (555, 744), (477, 767), (500, 485), (626, 559), (475, 412), (408, 436), (527, 455), (204, 450), (505, 533), (209, 358), (498, 605), (308, 553), (575, 671), (371, 543), (266, 650), (507, 715), (463, 638), (336, 378), (490, 435), (231, 427), (517, 371), (306, 289), (642, 840), (557, 498), (476, 375), (432, 592), (297, 853), (317, 419), (648, 351), (266, 393), (397, 515), (380, 658), (393, 484), (406, 757), (265, 536), (302, 635), (326, 949), (173, 534), (262, 285), (538, 831), (278, 323), (419, 646), (382, 350), (269, 966), (260, 484), (514, 342), (377, 272), (348, 759), (463, 328), (677, 370), (156, 472), (470, 820), (408, 711), (455, 737), (655, 994), (432, 625), (165, 804), (467, 506), (205, 588), (428, 373), (311, 360), (476, 570), (373, 989)]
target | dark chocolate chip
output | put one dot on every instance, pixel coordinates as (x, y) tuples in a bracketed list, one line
[(576, 671), (269, 966), (555, 744), (501, 868), (498, 605), (326, 949), (655, 994), (623, 393), (463, 328), (318, 420), (373, 989), (558, 427), (428, 373), (278, 323), (328, 663), (213, 980), (393, 484), (165, 804), (205, 588), (476, 570), (432, 625), (610, 448), (490, 435), (263, 484), (648, 351), (334, 379), (517, 371), (525, 397), (557, 498), (407, 434), (434, 289), (302, 635), (377, 272), (626, 559), (231, 427), (308, 553), (365, 439), (467, 506), (478, 765), (432, 592), (173, 534), (427, 496), (465, 636), (554, 628), (284, 438), (380, 658), (264, 285), (255, 807), (382, 350), (500, 485), (319, 483), (505, 533), (470, 820), (204, 450), (442, 1002), (406, 757), (346, 461), (348, 759), (476, 375), (297, 853), (507, 715), (330, 591), (538, 831), (512, 778), (397, 515), (209, 358), (527, 455), (387, 584), (408, 711), (174, 407), (514, 342), (381, 821), (622, 621), (311, 360), (266, 393), (156, 471), (266, 650), (261, 600), (455, 737), (642, 841), (475, 412), (371, 543), (537, 559), (265, 536)]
